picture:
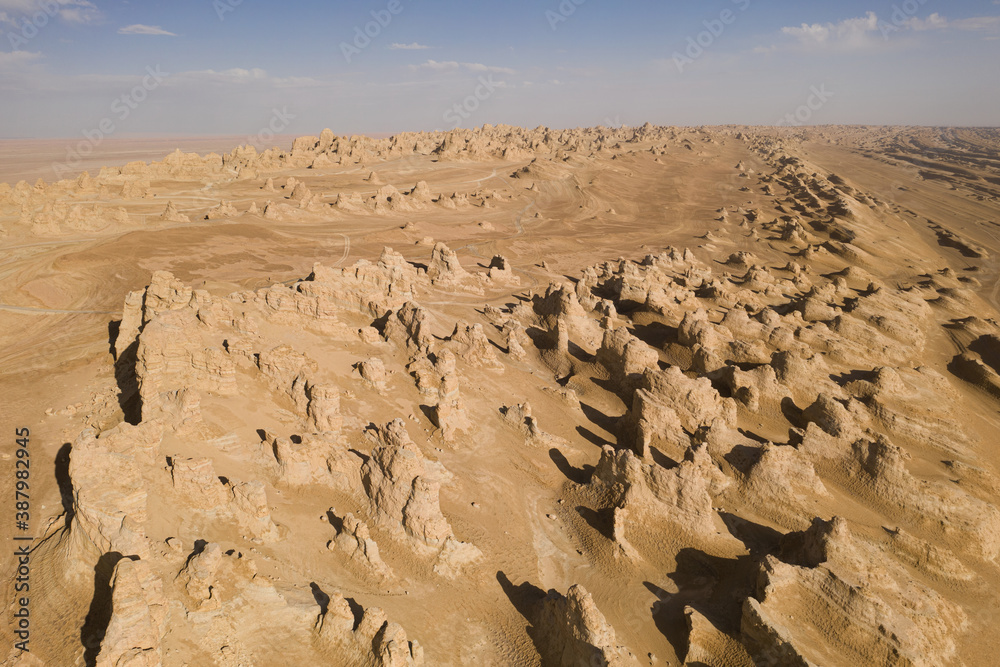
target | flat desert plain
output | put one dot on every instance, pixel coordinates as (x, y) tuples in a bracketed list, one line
[(633, 396)]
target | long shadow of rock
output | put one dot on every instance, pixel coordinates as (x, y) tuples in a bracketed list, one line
[(592, 437), (527, 599), (714, 586), (322, 599), (759, 540), (655, 334), (988, 350), (792, 413), (63, 480), (128, 389), (600, 520), (609, 424), (577, 475), (99, 614)]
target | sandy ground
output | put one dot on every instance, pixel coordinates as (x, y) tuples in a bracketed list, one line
[(923, 201), (53, 159)]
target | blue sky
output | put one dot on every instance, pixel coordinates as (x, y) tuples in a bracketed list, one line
[(252, 66)]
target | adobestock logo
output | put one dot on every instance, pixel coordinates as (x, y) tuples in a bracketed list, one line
[(565, 9), (464, 109), (223, 7), (817, 99), (48, 10), (364, 35), (698, 44), (280, 120), (121, 108)]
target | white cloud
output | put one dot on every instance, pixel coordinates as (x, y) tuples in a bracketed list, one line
[(17, 58), (240, 76), (233, 75), (869, 31), (74, 11), (937, 22), (849, 33), (440, 67), (139, 29), (452, 65), (408, 47), (933, 22)]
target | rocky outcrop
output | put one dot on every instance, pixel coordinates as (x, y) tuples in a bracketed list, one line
[(668, 406), (501, 273), (171, 214), (444, 269), (372, 639), (575, 632), (449, 413), (470, 343), (195, 481), (109, 490), (324, 409), (638, 492), (373, 372), (138, 617), (831, 581), (355, 541), (402, 495), (410, 328), (626, 358), (198, 576)]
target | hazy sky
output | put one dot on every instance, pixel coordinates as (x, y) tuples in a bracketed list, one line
[(200, 67)]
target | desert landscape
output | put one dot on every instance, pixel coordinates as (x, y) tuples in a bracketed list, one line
[(650, 395)]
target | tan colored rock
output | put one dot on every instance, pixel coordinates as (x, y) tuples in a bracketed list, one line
[(196, 483), (400, 493), (410, 328), (783, 484), (250, 507), (354, 540), (223, 210), (138, 618), (376, 641), (374, 374), (109, 490), (682, 496), (444, 268), (575, 632), (707, 644), (449, 413), (500, 272), (456, 558), (198, 575), (667, 405), (473, 347), (882, 614), (171, 214), (626, 357), (324, 409)]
